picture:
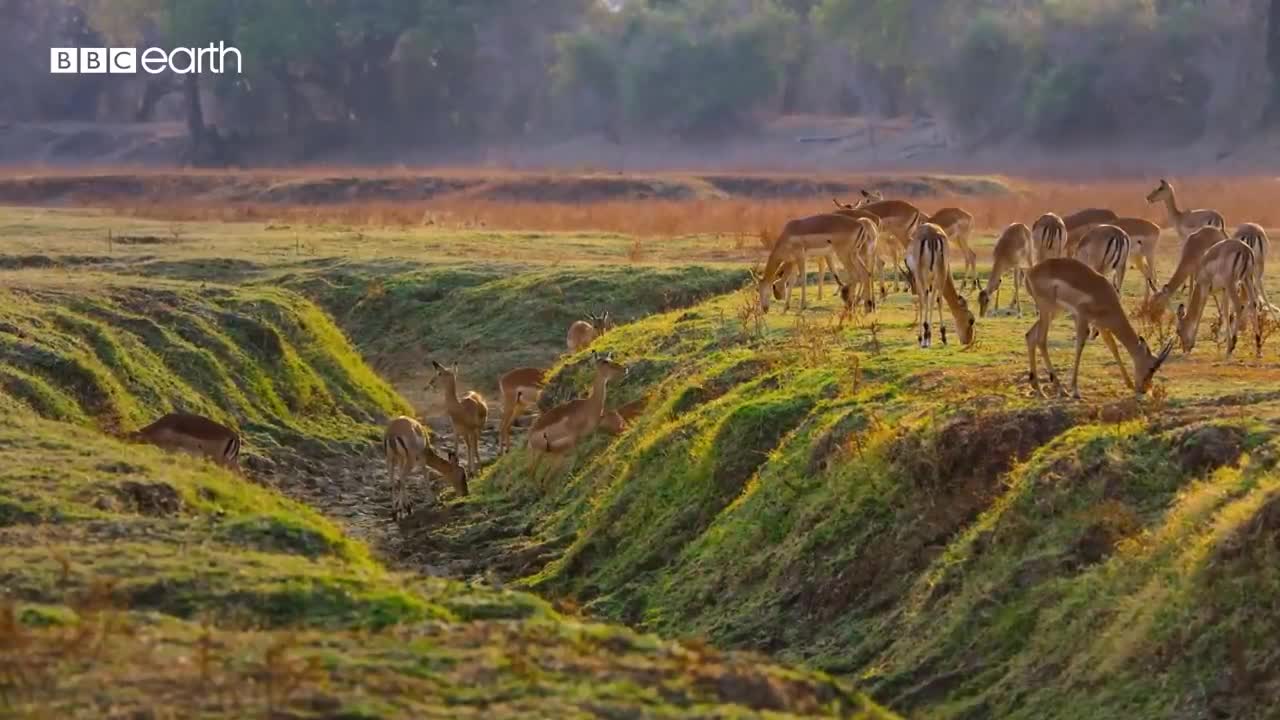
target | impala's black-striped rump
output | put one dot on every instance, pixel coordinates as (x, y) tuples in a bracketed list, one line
[(1117, 251), (232, 450), (1241, 266), (931, 248), (1256, 241)]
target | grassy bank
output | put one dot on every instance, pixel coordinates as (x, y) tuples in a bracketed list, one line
[(913, 519)]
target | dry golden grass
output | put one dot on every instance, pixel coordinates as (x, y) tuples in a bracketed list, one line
[(742, 220)]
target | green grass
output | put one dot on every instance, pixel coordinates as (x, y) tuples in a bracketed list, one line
[(910, 520), (913, 519), (187, 590)]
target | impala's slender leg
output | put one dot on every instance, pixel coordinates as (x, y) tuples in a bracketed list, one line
[(1110, 340), (1082, 334)]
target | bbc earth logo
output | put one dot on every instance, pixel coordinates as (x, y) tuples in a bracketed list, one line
[(126, 61)]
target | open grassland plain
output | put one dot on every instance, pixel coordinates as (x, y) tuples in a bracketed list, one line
[(812, 485)]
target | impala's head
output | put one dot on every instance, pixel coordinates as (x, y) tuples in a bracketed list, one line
[(1145, 364), (442, 374), (1187, 328), (600, 322), (1162, 191), (607, 367), (457, 475), (843, 206), (764, 288), (870, 196), (984, 301)]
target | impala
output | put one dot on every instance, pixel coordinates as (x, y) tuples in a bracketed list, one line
[(857, 252), (1048, 237), (1228, 269), (1144, 236), (583, 332), (1012, 252), (520, 389), (560, 429), (958, 225), (1185, 222), (407, 447), (194, 435), (1105, 248), (1088, 216), (1193, 250), (615, 422), (1253, 235), (1066, 284), (927, 268), (467, 413), (799, 238), (898, 219)]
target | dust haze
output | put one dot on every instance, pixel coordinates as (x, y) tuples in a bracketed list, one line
[(1088, 88)]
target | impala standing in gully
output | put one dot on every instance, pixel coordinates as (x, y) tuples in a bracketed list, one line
[(407, 447)]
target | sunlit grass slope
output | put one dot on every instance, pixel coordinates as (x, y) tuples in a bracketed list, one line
[(915, 519)]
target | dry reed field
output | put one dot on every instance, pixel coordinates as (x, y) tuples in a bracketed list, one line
[(642, 205)]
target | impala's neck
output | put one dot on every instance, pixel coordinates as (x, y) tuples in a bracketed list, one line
[(449, 384), (1193, 313), (595, 401), (1117, 323), (952, 298), (437, 463), (1171, 204)]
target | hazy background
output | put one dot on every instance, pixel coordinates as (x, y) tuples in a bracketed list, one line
[(1084, 86)]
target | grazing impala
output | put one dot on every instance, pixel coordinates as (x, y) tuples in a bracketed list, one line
[(1253, 235), (857, 252), (1185, 222), (1105, 248), (520, 389), (467, 413), (194, 435), (1227, 269), (1144, 236), (928, 270), (898, 219), (615, 422), (1088, 216), (1193, 251), (1012, 253), (560, 429), (407, 447), (1066, 284), (800, 238), (958, 225), (1048, 237), (583, 332)]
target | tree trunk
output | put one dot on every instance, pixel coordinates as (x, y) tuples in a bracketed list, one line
[(195, 119), (1273, 59), (152, 94)]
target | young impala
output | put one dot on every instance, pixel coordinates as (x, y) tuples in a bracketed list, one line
[(1066, 284), (194, 435), (467, 413), (1227, 270), (407, 448), (1012, 253), (562, 428), (520, 389)]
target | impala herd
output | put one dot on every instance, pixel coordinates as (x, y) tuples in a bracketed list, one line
[(1074, 264)]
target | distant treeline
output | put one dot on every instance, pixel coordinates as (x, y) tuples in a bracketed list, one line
[(319, 74)]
